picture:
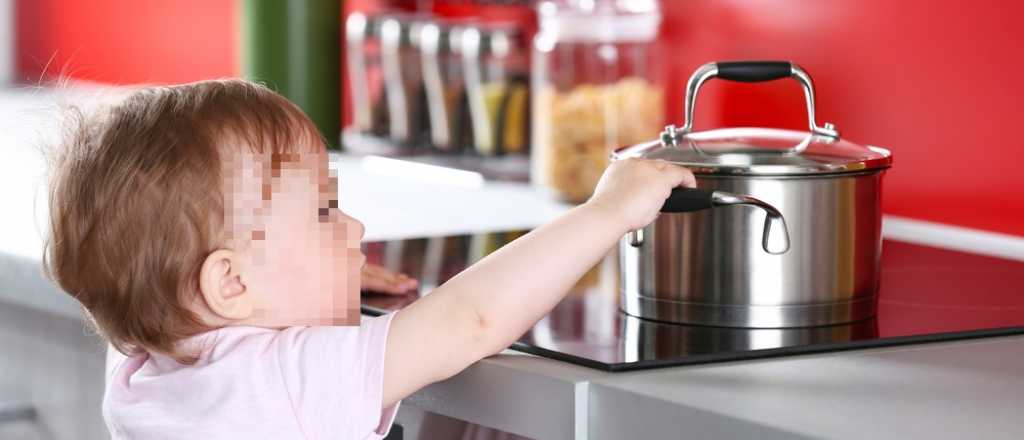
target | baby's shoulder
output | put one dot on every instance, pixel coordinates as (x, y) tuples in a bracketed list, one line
[(319, 339), (369, 328), (297, 344)]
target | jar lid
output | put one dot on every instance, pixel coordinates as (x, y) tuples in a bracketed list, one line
[(760, 152), (620, 21)]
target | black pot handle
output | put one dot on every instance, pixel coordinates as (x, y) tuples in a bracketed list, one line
[(681, 200), (754, 71), (775, 235), (687, 200)]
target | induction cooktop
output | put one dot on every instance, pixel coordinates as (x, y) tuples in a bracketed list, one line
[(927, 294)]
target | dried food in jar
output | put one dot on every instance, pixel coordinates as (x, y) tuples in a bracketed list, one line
[(576, 130)]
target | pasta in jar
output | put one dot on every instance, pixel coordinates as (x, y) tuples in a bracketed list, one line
[(576, 131)]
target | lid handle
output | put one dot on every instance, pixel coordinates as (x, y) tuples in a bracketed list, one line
[(754, 71), (751, 71)]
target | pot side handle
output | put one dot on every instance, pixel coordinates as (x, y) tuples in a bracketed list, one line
[(680, 200), (775, 234), (688, 200)]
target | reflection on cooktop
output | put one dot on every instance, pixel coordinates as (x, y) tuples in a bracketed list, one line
[(927, 294)]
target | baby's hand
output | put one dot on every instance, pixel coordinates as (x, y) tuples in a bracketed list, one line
[(379, 279), (635, 189)]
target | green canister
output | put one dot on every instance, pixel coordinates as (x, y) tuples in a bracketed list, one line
[(294, 47)]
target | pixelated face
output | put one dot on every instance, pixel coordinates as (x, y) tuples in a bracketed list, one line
[(303, 259)]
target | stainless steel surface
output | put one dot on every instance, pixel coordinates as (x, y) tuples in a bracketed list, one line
[(760, 152), (709, 267), (710, 70), (357, 29), (11, 412), (774, 236), (432, 42), (391, 59), (472, 45), (645, 339), (403, 79), (485, 50), (829, 129), (697, 79), (636, 237), (440, 46)]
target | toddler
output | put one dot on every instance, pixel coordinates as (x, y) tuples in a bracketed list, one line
[(199, 227)]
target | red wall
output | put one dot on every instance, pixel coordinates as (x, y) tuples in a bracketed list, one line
[(938, 83), (126, 41), (935, 82)]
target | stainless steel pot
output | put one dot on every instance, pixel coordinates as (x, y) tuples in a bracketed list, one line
[(807, 254)]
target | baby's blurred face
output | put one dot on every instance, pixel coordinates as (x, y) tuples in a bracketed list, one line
[(303, 258)]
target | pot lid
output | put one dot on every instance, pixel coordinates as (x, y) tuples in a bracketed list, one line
[(760, 151)]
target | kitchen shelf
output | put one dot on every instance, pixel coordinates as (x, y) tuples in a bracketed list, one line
[(505, 168)]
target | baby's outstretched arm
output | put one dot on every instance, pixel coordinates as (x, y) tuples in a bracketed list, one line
[(484, 309)]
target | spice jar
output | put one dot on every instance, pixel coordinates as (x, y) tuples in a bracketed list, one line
[(596, 86), (441, 53), (366, 80), (403, 79), (497, 87)]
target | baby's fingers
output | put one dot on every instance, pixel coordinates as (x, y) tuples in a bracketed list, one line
[(389, 286), (680, 176), (379, 279)]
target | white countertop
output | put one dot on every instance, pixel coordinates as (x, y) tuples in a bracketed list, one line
[(949, 390), (967, 389)]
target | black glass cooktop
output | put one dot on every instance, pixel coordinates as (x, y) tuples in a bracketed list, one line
[(927, 294)]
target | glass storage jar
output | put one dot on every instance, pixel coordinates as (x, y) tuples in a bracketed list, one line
[(403, 79), (441, 50), (596, 86), (496, 74), (366, 80)]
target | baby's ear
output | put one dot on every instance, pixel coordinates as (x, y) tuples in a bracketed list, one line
[(221, 286)]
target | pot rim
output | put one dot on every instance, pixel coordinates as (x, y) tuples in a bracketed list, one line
[(750, 151)]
